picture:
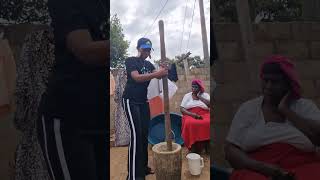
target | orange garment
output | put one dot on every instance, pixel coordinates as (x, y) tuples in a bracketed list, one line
[(7, 77), (156, 106)]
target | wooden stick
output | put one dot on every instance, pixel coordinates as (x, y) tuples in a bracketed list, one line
[(165, 89)]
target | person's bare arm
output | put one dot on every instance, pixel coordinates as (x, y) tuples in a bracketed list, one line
[(147, 77), (186, 112), (204, 100), (81, 44), (310, 127), (240, 160)]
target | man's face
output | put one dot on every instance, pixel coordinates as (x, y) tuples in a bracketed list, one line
[(275, 85), (145, 52)]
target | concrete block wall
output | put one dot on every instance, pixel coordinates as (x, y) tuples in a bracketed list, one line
[(298, 40)]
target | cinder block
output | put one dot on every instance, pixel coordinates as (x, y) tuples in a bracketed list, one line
[(315, 33), (308, 88), (301, 31), (229, 51), (261, 34), (235, 71), (190, 78), (281, 31), (222, 113), (232, 91), (201, 77), (317, 87), (262, 50), (315, 49), (181, 77), (292, 49), (227, 31), (308, 70)]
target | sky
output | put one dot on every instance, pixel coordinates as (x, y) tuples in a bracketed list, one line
[(137, 16)]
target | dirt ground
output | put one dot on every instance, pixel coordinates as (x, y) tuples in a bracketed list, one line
[(118, 165)]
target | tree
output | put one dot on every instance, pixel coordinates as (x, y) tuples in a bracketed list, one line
[(195, 61), (119, 46), (279, 10), (24, 11), (268, 10)]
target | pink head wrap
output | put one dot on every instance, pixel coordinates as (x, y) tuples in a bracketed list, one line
[(288, 69), (199, 82)]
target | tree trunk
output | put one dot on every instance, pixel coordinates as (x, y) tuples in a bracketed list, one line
[(168, 164), (215, 13)]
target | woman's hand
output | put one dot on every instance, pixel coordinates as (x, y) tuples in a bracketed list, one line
[(274, 172), (162, 72), (196, 116), (284, 104)]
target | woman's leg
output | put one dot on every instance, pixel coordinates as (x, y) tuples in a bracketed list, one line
[(135, 156), (68, 156), (145, 113)]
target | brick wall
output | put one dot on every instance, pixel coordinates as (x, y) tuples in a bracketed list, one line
[(300, 41)]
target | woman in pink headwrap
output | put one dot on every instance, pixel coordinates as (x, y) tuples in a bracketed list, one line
[(276, 135), (196, 117)]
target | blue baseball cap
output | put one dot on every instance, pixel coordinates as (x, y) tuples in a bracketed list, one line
[(144, 43)]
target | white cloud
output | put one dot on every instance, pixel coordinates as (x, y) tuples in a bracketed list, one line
[(136, 17)]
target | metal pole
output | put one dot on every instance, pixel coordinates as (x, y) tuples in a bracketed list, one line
[(204, 35)]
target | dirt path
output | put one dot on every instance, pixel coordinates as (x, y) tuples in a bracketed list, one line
[(118, 165)]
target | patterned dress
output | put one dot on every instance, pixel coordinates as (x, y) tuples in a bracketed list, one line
[(122, 130), (33, 67)]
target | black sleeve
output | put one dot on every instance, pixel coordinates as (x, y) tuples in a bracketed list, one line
[(152, 68), (66, 16), (130, 65)]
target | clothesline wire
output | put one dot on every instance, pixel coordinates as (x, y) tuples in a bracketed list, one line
[(156, 18), (194, 5), (184, 19)]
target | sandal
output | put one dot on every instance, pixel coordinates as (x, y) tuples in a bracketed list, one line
[(149, 171)]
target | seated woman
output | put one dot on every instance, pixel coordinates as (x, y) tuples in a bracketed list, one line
[(196, 118), (277, 134)]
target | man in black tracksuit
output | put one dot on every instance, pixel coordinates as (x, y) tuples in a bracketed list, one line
[(139, 74)]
